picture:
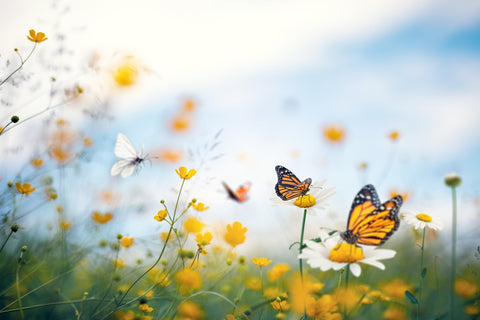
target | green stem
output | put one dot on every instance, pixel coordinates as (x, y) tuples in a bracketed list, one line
[(454, 249), (347, 273), (6, 240), (22, 62), (421, 275), (301, 260), (20, 261)]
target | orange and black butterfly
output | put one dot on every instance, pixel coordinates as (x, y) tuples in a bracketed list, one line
[(370, 222), (239, 195), (289, 186)]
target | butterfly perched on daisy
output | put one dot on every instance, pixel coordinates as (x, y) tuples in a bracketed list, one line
[(239, 195), (289, 186), (131, 159), (371, 222)]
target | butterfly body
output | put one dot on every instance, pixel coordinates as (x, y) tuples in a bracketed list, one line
[(369, 221), (131, 159), (239, 195), (289, 186)]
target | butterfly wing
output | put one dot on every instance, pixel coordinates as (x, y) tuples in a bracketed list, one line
[(370, 222), (124, 148), (230, 192), (289, 186), (123, 167)]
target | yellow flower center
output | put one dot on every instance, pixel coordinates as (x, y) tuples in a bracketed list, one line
[(424, 217), (305, 201), (345, 252)]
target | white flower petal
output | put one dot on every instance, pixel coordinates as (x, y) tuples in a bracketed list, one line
[(356, 269)]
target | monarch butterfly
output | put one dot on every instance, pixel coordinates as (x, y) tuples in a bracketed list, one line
[(131, 158), (239, 195), (370, 222), (289, 186)]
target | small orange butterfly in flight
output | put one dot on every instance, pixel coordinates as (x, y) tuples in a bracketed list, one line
[(289, 186), (239, 195), (370, 222)]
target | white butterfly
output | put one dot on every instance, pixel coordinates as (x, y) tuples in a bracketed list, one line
[(131, 159)]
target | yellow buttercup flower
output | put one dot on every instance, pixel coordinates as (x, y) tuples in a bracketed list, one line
[(126, 73), (182, 173), (119, 264), (334, 134), (277, 271), (253, 283), (25, 188), (145, 308), (101, 218), (261, 262), (395, 312), (37, 162), (235, 234), (193, 225), (36, 37), (325, 307), (396, 288), (394, 135), (466, 289), (190, 310), (204, 239), (188, 280), (200, 206), (126, 242), (280, 306), (65, 225), (161, 215)]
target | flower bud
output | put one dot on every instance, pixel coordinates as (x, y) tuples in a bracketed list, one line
[(14, 119), (453, 180)]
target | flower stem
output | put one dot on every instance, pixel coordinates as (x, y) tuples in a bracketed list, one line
[(347, 272), (421, 275), (454, 249), (6, 240), (301, 261), (17, 277)]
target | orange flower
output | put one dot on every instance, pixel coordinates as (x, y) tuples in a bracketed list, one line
[(168, 155), (60, 154), (334, 134), (25, 188), (235, 234), (126, 242), (37, 162), (101, 218), (189, 105), (394, 135), (181, 123), (36, 37)]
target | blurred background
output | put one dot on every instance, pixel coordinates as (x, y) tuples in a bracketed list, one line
[(233, 89)]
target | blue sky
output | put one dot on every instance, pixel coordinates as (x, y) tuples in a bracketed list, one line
[(272, 75)]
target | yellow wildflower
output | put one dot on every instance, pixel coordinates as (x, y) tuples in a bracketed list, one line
[(182, 173), (334, 134), (280, 306), (87, 142), (122, 315), (261, 262), (204, 239), (472, 309), (189, 105), (277, 271), (119, 264), (145, 308), (168, 155), (101, 218), (64, 225), (324, 307), (301, 290), (164, 235), (465, 288), (181, 123), (394, 135), (193, 225), (161, 215), (37, 162), (235, 234), (395, 288), (395, 312), (253, 283), (126, 242), (60, 154), (200, 206), (36, 37), (126, 73), (188, 280), (25, 188), (190, 310)]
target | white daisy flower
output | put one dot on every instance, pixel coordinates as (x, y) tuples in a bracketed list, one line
[(315, 200), (421, 220), (329, 254)]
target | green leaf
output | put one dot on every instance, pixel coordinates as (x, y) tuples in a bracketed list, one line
[(424, 272), (411, 297)]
